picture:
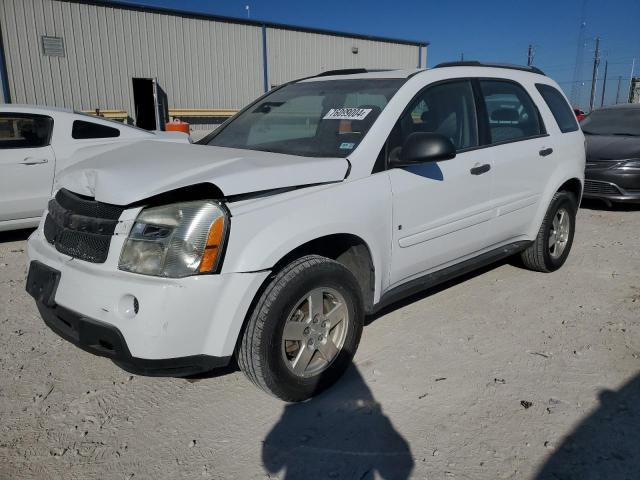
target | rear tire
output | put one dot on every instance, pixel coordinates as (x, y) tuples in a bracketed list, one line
[(304, 329), (553, 243)]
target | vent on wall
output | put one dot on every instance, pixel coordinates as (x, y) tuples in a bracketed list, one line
[(53, 46)]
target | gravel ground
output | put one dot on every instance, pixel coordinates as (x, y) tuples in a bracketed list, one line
[(503, 374)]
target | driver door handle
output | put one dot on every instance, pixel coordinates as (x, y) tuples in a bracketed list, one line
[(480, 169), (34, 161), (545, 151)]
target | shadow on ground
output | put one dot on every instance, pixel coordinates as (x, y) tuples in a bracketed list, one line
[(595, 204), (15, 235), (342, 434), (606, 445)]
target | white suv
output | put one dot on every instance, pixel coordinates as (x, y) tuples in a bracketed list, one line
[(321, 202)]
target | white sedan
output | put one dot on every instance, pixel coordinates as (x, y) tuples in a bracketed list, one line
[(36, 143)]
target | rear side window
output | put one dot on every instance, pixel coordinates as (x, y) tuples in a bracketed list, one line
[(559, 107), (25, 131), (511, 113), (83, 130)]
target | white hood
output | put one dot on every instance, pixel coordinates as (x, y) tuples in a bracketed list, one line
[(141, 170)]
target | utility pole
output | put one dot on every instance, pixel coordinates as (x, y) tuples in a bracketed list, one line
[(604, 82), (596, 62), (462, 57), (633, 67), (530, 56), (618, 91)]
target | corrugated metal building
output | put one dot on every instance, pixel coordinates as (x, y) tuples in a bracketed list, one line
[(84, 54)]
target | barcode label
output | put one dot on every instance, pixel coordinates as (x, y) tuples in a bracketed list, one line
[(347, 114)]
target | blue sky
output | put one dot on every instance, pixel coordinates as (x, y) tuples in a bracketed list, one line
[(490, 30)]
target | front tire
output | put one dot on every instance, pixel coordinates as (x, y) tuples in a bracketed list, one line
[(553, 243), (304, 330)]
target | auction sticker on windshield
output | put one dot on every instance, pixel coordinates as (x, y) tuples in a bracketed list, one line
[(347, 114)]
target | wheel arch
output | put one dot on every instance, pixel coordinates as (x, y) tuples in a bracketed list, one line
[(346, 248), (569, 183), (573, 186)]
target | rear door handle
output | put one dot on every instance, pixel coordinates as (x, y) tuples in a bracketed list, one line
[(545, 151), (480, 169), (34, 161)]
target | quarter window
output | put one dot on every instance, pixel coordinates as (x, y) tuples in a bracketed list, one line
[(559, 107), (84, 130), (25, 131), (447, 109), (511, 113)]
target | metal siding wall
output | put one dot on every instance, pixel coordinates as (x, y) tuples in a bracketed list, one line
[(294, 54), (199, 63)]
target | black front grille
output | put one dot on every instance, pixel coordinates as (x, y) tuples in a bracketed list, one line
[(81, 227), (600, 188)]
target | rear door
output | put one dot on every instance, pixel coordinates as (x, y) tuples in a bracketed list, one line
[(27, 164), (440, 209), (521, 153)]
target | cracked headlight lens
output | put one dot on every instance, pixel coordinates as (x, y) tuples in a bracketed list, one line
[(176, 240)]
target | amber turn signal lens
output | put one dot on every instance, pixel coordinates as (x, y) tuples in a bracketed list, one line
[(212, 249)]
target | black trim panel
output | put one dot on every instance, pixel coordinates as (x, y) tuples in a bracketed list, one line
[(432, 279), (107, 341)]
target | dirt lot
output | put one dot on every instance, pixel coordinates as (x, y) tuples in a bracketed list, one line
[(504, 374)]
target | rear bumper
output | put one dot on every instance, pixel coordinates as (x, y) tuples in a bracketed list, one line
[(107, 341)]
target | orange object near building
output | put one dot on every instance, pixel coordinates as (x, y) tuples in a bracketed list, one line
[(177, 126)]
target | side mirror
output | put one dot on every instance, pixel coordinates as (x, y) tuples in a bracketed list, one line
[(422, 147)]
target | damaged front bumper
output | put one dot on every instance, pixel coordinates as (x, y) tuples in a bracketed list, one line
[(146, 324)]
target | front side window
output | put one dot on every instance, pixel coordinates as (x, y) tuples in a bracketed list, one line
[(560, 109), (511, 113), (315, 118), (623, 121), (447, 109), (85, 130), (25, 131)]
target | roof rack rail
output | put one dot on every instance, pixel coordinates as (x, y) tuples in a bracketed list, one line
[(350, 71), (475, 63), (343, 71)]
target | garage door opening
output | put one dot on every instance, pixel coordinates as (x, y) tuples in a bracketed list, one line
[(150, 103)]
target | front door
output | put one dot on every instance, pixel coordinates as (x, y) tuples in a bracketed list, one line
[(27, 164), (441, 210)]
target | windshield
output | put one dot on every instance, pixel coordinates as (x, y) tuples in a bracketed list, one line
[(313, 119), (613, 121)]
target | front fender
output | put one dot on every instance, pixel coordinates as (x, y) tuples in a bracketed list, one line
[(265, 230)]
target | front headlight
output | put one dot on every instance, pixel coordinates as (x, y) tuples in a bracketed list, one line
[(176, 240), (629, 165)]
